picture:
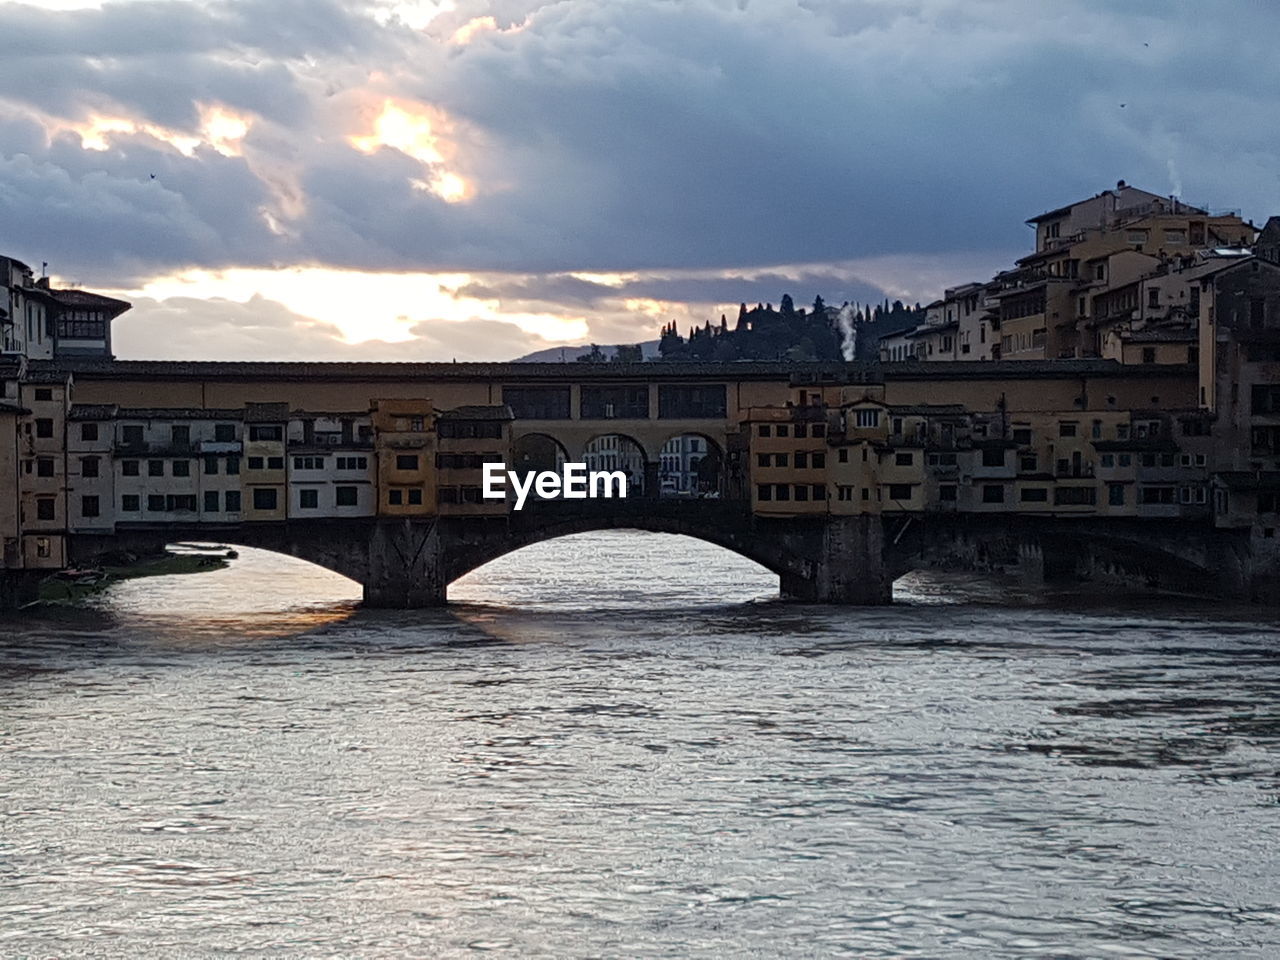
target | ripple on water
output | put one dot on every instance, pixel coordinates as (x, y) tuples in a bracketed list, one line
[(624, 745)]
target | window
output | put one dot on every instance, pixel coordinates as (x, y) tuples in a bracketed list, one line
[(1027, 463), (264, 498), (44, 393), (210, 465), (345, 496), (764, 430), (818, 430), (1148, 354), (819, 460), (819, 491), (44, 427), (266, 432), (1022, 436), (762, 459), (129, 468), (88, 431), (44, 467), (155, 468), (899, 491), (993, 457), (129, 503), (224, 432), (308, 463), (131, 435), (782, 430), (1066, 428), (415, 497), (614, 403), (844, 493), (309, 499), (395, 497), (1156, 495), (255, 463), (537, 403), (181, 436), (867, 418), (903, 459), (211, 501), (1034, 495), (275, 463), (44, 508), (802, 492), (1153, 297), (155, 503), (182, 468), (1126, 459), (233, 501), (844, 455), (233, 466), (1115, 494), (407, 461), (680, 402), (947, 493), (182, 501), (1108, 460), (89, 467), (1075, 496), (993, 493), (780, 459), (802, 460), (781, 491), (764, 491), (800, 430)]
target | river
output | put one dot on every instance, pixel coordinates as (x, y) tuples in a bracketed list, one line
[(623, 745)]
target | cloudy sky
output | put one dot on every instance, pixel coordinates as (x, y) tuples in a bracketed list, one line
[(417, 180)]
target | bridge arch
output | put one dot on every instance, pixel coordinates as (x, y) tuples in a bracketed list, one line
[(612, 451), (476, 553), (690, 463)]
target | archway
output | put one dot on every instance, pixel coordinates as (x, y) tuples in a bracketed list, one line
[(690, 465), (535, 452), (616, 451), (624, 569)]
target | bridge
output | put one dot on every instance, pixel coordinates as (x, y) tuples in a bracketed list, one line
[(410, 563), (839, 478)]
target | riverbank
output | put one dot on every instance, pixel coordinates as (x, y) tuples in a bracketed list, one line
[(71, 587)]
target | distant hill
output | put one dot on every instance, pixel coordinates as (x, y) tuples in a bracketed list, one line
[(570, 354)]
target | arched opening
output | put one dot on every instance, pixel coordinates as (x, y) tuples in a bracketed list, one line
[(258, 594), (616, 570), (615, 451), (536, 452), (690, 465)]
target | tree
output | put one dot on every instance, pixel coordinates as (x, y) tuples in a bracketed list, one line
[(629, 353), (787, 307)]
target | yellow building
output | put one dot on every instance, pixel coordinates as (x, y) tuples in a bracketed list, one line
[(466, 439), (263, 475), (43, 469), (404, 437)]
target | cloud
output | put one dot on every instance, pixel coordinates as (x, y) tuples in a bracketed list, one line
[(220, 329), (696, 148)]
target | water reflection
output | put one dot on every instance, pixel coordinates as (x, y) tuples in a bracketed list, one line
[(614, 747)]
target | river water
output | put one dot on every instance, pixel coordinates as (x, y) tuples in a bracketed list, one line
[(622, 745)]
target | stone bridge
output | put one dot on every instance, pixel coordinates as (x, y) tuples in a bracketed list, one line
[(408, 563)]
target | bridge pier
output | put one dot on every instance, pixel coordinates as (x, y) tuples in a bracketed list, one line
[(850, 568), (405, 569)]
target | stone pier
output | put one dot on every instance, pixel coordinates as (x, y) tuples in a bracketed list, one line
[(405, 569)]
